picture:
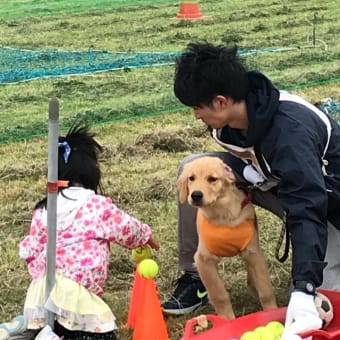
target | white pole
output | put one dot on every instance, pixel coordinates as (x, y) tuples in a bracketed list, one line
[(52, 192)]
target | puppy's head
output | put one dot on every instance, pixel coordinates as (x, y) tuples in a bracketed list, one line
[(203, 181)]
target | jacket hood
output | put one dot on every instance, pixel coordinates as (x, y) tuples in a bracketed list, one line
[(262, 103), (69, 202)]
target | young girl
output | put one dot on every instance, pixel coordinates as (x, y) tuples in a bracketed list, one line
[(86, 224)]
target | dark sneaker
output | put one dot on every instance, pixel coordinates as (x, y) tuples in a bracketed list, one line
[(189, 294)]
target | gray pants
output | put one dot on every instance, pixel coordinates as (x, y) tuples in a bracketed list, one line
[(187, 233)]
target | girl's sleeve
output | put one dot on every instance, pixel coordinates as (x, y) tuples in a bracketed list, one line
[(121, 228), (34, 243)]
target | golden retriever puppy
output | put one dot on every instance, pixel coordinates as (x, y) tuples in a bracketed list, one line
[(226, 226)]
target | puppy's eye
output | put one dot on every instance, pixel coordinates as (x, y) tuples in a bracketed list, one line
[(212, 179), (191, 178)]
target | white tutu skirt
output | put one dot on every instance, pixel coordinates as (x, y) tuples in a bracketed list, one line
[(75, 307)]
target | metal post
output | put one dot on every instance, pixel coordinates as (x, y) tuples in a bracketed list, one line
[(52, 192), (314, 28)]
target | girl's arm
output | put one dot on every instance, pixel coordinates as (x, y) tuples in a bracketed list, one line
[(124, 229), (34, 243)]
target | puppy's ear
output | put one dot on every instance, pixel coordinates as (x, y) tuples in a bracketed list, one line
[(182, 187), (229, 175)]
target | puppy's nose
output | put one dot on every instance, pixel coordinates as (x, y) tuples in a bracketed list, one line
[(197, 196)]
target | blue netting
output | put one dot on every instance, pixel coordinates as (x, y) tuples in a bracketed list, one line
[(332, 107), (18, 65)]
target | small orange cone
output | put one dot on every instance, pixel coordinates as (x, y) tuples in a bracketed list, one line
[(136, 299), (189, 10), (150, 323)]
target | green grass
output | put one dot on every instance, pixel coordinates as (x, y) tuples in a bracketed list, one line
[(16, 9), (109, 96), (142, 154)]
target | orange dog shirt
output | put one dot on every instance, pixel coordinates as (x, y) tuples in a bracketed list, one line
[(223, 240)]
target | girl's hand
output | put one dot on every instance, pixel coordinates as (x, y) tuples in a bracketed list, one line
[(153, 244)]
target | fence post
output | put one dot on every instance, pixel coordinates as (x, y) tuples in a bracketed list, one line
[(52, 192)]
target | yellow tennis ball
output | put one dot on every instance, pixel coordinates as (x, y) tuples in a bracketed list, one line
[(275, 327), (142, 253), (148, 268), (264, 333), (249, 335)]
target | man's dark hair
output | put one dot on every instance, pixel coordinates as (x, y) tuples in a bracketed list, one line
[(204, 71)]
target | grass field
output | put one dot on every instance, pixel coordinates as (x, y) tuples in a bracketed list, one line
[(142, 154), (15, 9), (149, 28)]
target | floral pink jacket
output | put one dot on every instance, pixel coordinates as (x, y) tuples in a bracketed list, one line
[(83, 246)]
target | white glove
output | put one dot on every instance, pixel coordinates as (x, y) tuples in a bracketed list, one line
[(301, 315)]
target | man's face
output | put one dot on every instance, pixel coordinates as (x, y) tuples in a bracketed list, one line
[(223, 111), (210, 116)]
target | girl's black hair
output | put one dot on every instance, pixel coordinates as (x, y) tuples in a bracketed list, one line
[(78, 154)]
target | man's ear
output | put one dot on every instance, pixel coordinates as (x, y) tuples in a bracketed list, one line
[(220, 101), (182, 187)]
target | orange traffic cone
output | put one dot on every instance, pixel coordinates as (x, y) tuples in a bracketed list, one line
[(150, 323), (136, 299), (190, 10)]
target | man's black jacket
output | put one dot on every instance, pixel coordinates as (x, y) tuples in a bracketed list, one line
[(296, 150)]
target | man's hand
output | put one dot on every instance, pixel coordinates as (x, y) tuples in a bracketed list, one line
[(301, 315)]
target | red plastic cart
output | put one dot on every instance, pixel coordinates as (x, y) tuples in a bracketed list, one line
[(223, 329)]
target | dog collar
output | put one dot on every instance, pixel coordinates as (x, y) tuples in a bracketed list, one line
[(247, 200)]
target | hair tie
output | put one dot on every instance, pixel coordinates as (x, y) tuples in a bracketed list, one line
[(67, 150)]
